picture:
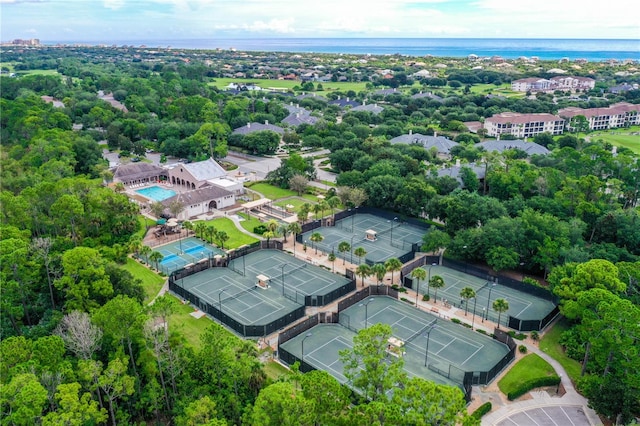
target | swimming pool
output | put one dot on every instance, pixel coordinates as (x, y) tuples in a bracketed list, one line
[(156, 193)]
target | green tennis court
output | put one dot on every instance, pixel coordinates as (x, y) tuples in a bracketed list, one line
[(521, 305), (393, 238)]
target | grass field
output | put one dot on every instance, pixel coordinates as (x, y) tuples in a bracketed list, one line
[(528, 368), (236, 237), (221, 83), (151, 282), (249, 222), (275, 193), (37, 72), (275, 370), (620, 137), (550, 345), (189, 327)]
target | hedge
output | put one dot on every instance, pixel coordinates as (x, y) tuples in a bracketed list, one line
[(481, 410), (532, 384)]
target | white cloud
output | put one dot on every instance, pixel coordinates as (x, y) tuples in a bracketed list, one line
[(281, 26), (114, 4)]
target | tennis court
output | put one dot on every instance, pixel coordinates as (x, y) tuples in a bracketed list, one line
[(449, 343), (293, 277), (393, 238), (521, 305), (178, 254), (250, 290)]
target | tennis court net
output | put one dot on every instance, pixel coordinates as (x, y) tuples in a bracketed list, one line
[(232, 266), (422, 330)]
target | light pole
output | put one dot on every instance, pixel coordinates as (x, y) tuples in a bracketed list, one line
[(473, 321), (302, 345), (522, 267), (426, 351), (220, 300), (366, 312), (355, 211), (351, 246), (489, 299), (392, 223), (483, 310), (429, 277), (282, 276)]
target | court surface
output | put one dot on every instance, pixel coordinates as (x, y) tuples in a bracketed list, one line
[(235, 291), (522, 305), (186, 251), (553, 415), (393, 237)]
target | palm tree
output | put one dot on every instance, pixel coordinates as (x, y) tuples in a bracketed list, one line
[(295, 229), (379, 270), (222, 238), (268, 235), (323, 206), (272, 225), (436, 282), (344, 247), (303, 212), (500, 306), (157, 209), (145, 251), (316, 209), (135, 244), (360, 252), (188, 226), (393, 265), (119, 187), (283, 229), (418, 274), (200, 229), (467, 293), (210, 231), (332, 259), (363, 271), (156, 257), (316, 237), (333, 202)]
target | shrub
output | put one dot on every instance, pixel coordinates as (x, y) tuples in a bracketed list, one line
[(526, 386), (481, 331), (404, 299), (426, 298), (260, 229), (519, 336), (535, 336), (456, 320), (522, 349), (482, 410)]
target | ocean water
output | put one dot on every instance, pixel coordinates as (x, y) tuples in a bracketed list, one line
[(546, 49)]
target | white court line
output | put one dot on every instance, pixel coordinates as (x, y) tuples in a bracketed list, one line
[(551, 418), (445, 346), (472, 355), (566, 414), (339, 338)]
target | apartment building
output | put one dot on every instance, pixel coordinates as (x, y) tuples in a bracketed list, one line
[(622, 114), (523, 125), (535, 84)]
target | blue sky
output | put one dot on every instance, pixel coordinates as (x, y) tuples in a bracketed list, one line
[(122, 20)]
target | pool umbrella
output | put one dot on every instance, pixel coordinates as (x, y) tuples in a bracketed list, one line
[(161, 221)]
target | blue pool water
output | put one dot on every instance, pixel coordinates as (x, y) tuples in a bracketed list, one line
[(156, 193)]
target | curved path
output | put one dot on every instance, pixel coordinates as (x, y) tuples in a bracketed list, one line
[(543, 409)]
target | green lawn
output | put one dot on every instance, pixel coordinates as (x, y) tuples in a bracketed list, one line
[(275, 193), (275, 370), (221, 83), (549, 344), (236, 237), (189, 327), (619, 137), (151, 282), (249, 222), (38, 72), (528, 368), (144, 222)]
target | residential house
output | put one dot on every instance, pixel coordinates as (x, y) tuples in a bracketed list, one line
[(374, 109), (531, 148), (258, 127), (441, 144)]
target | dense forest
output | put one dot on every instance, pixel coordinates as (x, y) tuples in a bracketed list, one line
[(80, 347)]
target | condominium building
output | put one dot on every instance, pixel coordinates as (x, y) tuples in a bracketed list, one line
[(622, 114), (523, 125), (536, 84)]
